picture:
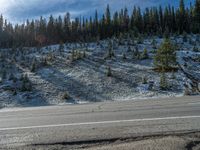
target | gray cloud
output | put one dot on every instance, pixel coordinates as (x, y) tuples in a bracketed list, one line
[(19, 10)]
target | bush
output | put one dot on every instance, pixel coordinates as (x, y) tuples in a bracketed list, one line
[(129, 49), (14, 92), (84, 54), (144, 80), (187, 91), (33, 67), (153, 43), (136, 54), (79, 55), (73, 55), (140, 40), (124, 56), (110, 50), (109, 72), (195, 49), (4, 75), (26, 84), (185, 38), (65, 96), (145, 54)]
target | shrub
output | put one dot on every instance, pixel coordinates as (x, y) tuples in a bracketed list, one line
[(65, 96), (26, 84), (14, 92), (145, 54), (84, 54), (144, 80), (109, 72), (185, 38), (124, 56), (136, 54), (153, 43), (110, 50), (140, 40), (73, 55), (33, 67), (187, 91), (195, 49), (4, 75)]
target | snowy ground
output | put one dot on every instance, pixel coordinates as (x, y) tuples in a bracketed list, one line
[(85, 79)]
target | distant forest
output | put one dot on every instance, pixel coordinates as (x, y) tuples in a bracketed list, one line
[(151, 21)]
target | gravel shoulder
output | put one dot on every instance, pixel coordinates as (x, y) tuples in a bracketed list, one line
[(188, 141)]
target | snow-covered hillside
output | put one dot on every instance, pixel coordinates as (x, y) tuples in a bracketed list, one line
[(57, 77)]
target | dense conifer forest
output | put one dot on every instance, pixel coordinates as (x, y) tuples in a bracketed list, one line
[(151, 21)]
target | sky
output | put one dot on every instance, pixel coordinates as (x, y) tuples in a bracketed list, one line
[(20, 10)]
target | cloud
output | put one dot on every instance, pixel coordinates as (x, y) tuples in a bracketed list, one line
[(20, 10)]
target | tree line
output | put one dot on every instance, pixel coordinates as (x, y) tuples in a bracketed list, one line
[(151, 21)]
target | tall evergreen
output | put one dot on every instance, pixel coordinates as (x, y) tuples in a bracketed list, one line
[(181, 17), (165, 57)]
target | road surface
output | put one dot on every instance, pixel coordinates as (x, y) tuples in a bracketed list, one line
[(87, 123)]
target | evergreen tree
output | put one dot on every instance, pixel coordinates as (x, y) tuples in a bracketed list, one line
[(124, 56), (165, 57), (145, 54), (110, 50), (144, 80), (33, 67), (181, 17), (109, 72), (163, 81)]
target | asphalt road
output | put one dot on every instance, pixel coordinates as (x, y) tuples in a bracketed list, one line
[(71, 124)]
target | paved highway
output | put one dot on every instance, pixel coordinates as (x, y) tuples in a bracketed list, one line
[(98, 121)]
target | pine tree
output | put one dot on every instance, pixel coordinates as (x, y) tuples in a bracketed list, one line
[(163, 82), (84, 54), (165, 57), (73, 56), (144, 80), (136, 54), (153, 43), (33, 67), (124, 56), (108, 22), (109, 72), (26, 84), (181, 17), (145, 54), (65, 96), (110, 50)]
